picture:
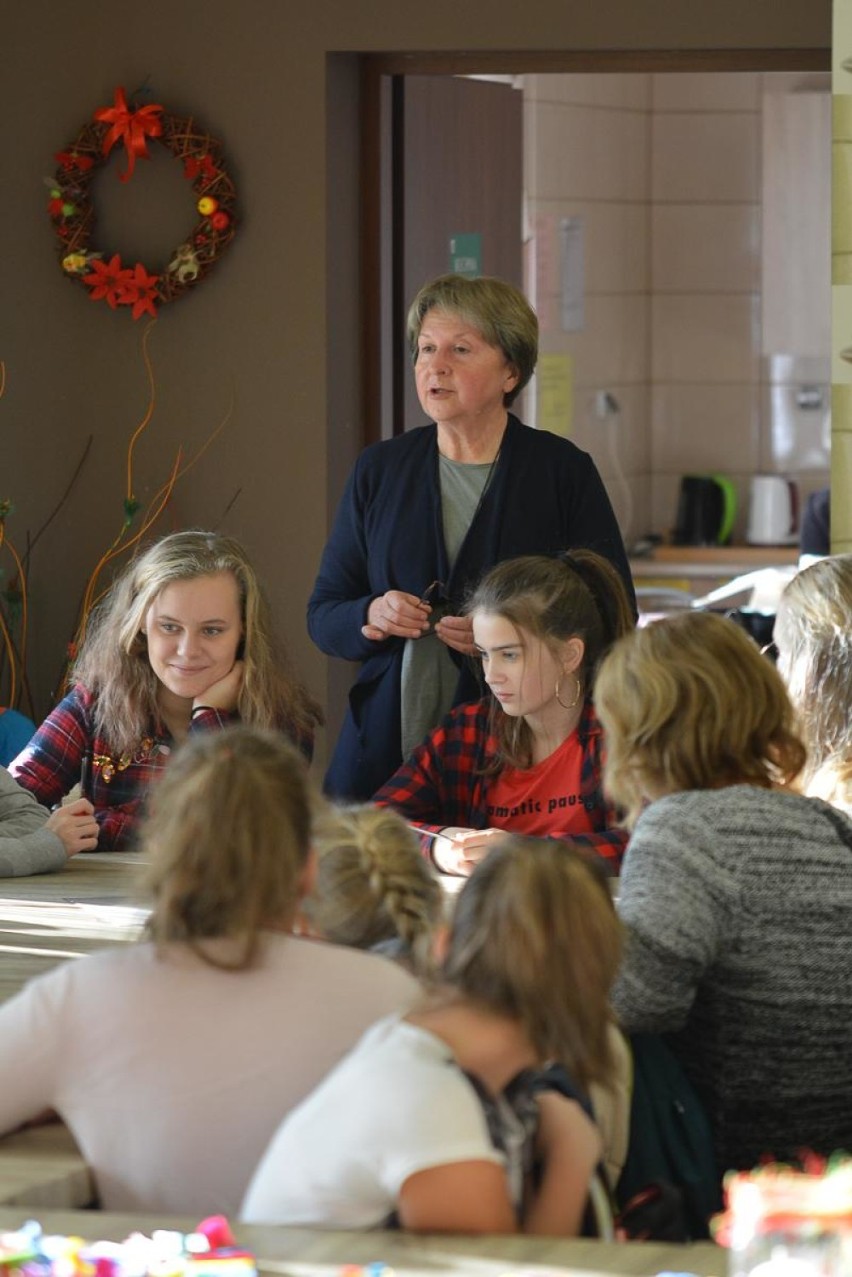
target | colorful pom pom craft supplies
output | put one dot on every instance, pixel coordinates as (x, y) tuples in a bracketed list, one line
[(209, 1251)]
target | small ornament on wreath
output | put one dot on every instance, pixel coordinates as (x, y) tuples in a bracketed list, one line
[(104, 274)]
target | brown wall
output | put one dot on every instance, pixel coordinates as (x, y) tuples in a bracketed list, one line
[(258, 328)]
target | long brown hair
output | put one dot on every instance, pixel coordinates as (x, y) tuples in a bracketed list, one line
[(689, 703), (534, 936), (113, 661), (227, 837), (576, 595)]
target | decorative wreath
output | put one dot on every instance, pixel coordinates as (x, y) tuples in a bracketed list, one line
[(72, 210)]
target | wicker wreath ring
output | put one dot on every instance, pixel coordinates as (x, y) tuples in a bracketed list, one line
[(73, 214)]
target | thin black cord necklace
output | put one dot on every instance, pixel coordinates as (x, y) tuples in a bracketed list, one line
[(488, 477)]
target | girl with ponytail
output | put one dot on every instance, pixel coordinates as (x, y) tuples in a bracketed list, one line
[(528, 757)]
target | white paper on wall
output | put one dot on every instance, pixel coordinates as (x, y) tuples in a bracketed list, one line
[(572, 254)]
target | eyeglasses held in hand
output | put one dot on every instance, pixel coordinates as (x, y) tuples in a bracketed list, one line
[(433, 592)]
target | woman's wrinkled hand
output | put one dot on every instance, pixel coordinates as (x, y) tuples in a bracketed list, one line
[(396, 615), (457, 633)]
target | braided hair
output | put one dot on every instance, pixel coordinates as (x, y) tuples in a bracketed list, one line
[(374, 890)]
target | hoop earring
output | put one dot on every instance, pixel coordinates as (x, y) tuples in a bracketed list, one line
[(573, 704)]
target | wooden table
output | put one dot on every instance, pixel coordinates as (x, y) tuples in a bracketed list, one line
[(98, 876), (47, 918), (42, 1167), (304, 1252)]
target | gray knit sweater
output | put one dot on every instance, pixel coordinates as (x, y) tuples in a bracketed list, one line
[(26, 847), (738, 904)]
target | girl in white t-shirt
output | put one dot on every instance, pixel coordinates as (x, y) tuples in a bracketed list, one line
[(398, 1131)]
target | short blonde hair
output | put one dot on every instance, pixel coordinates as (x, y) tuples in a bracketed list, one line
[(688, 702), (373, 884), (227, 837), (499, 311), (813, 634), (534, 936)]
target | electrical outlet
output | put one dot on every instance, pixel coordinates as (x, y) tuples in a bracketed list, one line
[(606, 404)]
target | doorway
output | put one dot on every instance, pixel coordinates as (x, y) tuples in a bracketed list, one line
[(656, 410)]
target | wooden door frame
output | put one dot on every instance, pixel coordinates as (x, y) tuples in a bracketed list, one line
[(381, 77)]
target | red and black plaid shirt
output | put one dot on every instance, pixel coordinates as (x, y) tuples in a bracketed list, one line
[(442, 782), (49, 767)]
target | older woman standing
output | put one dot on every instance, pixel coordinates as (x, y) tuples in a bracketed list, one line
[(425, 513)]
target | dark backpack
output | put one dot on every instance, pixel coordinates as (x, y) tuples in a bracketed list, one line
[(670, 1184)]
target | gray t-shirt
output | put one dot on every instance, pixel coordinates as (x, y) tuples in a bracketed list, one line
[(429, 674)]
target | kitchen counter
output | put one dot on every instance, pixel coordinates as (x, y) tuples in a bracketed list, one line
[(718, 561), (673, 576)]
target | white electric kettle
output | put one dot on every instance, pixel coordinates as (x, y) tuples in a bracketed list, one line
[(773, 515)]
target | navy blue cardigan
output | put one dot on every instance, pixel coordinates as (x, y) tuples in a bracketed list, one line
[(545, 495)]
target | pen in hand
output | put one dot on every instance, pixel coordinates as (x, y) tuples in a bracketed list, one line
[(424, 833), (86, 775)]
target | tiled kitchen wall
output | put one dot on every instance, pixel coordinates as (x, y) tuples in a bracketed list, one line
[(587, 149), (665, 172)]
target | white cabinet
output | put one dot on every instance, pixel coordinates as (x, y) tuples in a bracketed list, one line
[(796, 253)]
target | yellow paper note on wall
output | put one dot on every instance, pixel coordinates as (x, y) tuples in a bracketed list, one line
[(555, 378)]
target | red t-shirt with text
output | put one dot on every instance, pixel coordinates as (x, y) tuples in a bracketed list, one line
[(544, 799)]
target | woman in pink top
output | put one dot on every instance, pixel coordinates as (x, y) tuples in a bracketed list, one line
[(528, 758), (172, 1060)]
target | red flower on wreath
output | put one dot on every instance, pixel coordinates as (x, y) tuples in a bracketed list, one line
[(130, 127), (108, 281), (200, 165), (140, 291), (70, 160)]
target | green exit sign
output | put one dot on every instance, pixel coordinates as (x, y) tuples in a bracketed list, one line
[(466, 254)]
